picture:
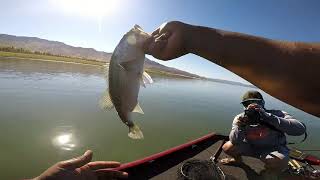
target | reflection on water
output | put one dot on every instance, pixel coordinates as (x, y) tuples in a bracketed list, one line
[(64, 141), (64, 138), (52, 108)]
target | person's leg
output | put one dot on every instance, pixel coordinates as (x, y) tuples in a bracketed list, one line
[(231, 150), (235, 151)]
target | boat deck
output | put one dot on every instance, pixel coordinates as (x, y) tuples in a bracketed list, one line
[(250, 169), (166, 165)]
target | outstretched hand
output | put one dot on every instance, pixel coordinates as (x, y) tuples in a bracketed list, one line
[(81, 168), (169, 41)]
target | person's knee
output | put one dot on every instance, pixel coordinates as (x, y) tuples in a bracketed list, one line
[(229, 148)]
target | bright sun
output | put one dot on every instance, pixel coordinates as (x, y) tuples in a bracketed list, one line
[(88, 8)]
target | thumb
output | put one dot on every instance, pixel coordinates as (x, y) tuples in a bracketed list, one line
[(78, 161), (147, 44)]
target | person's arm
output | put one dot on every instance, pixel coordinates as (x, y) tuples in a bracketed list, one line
[(237, 133), (288, 71), (286, 124), (280, 120)]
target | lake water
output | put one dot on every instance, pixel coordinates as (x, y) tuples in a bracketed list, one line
[(49, 112)]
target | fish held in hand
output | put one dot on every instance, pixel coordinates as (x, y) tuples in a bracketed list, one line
[(125, 75)]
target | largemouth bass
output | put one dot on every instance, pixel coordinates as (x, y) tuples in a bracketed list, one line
[(126, 73)]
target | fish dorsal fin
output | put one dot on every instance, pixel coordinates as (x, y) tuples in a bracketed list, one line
[(105, 101), (136, 26), (146, 78), (127, 65), (138, 109)]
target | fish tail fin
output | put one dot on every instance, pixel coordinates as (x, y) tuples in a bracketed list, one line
[(135, 132)]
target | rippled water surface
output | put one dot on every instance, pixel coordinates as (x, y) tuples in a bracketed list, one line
[(49, 112)]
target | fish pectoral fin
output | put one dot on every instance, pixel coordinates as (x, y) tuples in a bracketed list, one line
[(135, 132), (105, 101), (127, 65), (146, 78), (138, 109)]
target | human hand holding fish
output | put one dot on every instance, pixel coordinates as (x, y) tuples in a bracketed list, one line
[(169, 41), (250, 57)]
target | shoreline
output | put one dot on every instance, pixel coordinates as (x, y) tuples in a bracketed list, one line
[(34, 57), (28, 56), (47, 60)]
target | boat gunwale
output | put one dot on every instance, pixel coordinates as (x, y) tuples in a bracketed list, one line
[(159, 155)]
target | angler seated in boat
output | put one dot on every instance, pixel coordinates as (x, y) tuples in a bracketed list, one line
[(260, 133)]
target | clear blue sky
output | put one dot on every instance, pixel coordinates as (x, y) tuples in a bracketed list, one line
[(79, 22)]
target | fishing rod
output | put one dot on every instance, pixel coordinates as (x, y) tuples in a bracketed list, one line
[(309, 149)]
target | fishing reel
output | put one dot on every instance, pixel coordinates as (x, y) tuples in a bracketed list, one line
[(306, 170)]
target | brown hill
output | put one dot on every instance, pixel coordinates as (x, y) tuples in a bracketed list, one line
[(58, 48)]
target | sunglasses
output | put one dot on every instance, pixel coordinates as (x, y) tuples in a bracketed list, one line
[(247, 103)]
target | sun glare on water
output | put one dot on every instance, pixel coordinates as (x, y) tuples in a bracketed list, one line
[(64, 141), (89, 8)]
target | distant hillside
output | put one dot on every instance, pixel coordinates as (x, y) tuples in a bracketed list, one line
[(231, 82), (58, 48), (53, 47), (35, 44)]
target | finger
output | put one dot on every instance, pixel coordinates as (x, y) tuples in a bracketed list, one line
[(155, 32), (108, 173), (163, 36), (163, 28), (156, 48), (258, 109), (78, 161), (244, 119), (103, 164), (86, 173)]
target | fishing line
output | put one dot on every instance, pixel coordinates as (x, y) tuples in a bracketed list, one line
[(309, 149)]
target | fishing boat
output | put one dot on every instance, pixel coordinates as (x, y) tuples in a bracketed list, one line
[(168, 164)]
